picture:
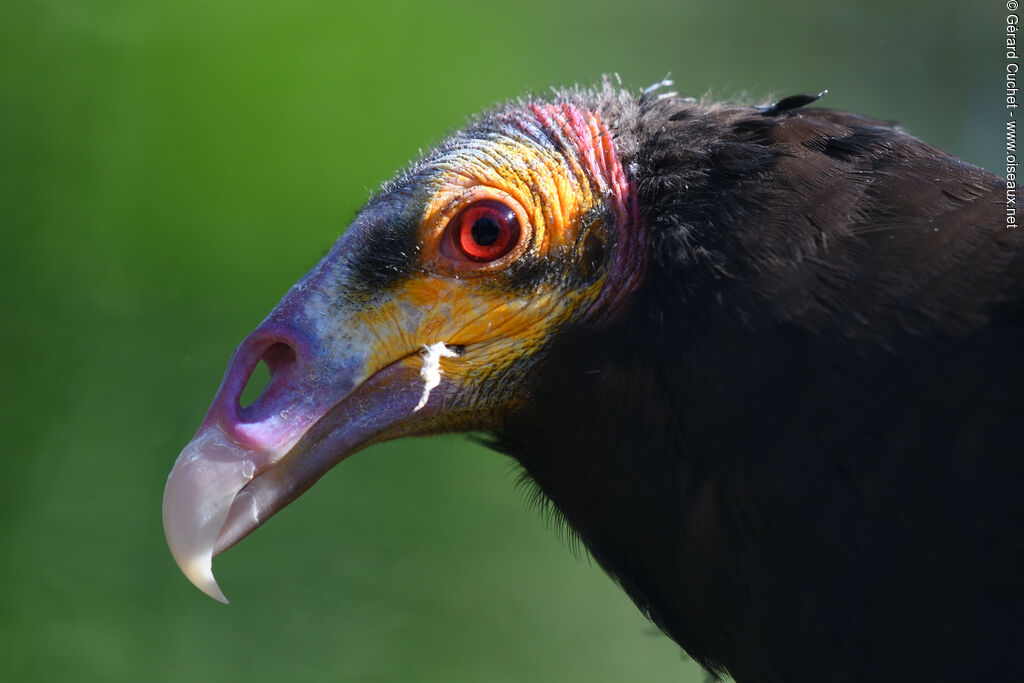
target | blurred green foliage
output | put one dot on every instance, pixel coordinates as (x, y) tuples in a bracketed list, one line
[(167, 170)]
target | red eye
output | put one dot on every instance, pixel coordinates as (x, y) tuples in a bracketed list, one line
[(484, 231)]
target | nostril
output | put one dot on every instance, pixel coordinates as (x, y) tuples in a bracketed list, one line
[(277, 356)]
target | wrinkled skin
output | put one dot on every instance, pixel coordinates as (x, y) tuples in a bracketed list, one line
[(345, 346)]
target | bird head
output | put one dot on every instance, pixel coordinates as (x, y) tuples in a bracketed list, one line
[(718, 340), (427, 316)]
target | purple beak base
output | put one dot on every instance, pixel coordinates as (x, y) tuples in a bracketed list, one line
[(231, 477)]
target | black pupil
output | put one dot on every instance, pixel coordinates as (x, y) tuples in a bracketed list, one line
[(486, 231)]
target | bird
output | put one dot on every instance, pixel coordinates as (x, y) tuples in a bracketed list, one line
[(765, 362)]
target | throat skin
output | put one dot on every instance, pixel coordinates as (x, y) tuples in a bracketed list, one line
[(747, 516)]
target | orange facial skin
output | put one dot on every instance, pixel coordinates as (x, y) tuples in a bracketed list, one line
[(551, 190), (546, 238), (554, 166)]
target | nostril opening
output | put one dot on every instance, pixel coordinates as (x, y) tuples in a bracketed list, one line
[(276, 357)]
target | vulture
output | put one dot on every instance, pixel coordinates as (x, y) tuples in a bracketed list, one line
[(766, 362)]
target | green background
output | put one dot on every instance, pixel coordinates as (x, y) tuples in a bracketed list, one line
[(168, 170)]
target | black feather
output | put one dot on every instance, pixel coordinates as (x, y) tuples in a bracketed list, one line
[(790, 103), (800, 451)]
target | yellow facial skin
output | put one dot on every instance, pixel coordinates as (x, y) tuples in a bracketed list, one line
[(354, 327), (472, 305)]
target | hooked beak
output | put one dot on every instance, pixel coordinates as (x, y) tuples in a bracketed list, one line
[(325, 400)]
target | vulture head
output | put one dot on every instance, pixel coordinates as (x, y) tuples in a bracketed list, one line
[(427, 316), (719, 339)]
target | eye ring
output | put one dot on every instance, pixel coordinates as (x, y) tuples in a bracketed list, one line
[(483, 233)]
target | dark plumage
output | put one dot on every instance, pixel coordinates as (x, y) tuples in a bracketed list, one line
[(789, 424), (813, 414)]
